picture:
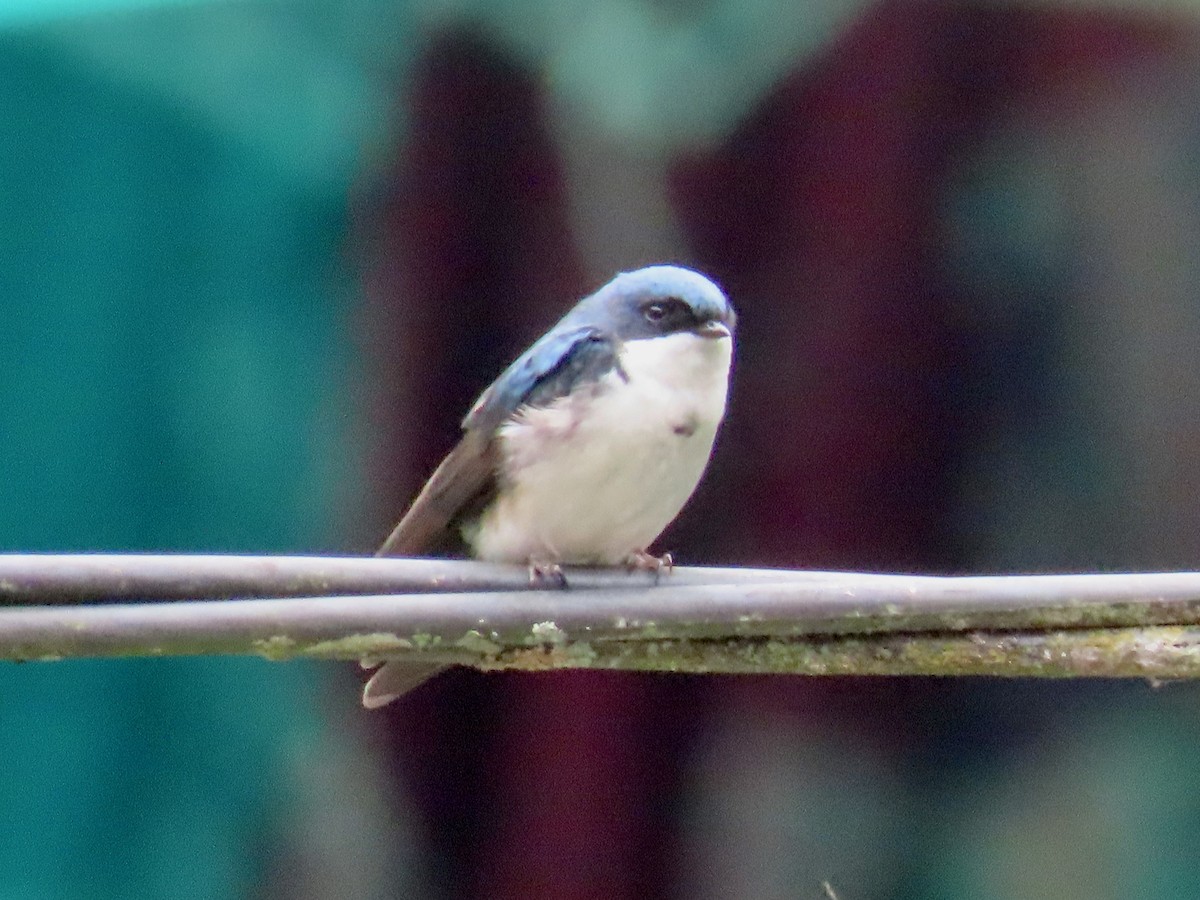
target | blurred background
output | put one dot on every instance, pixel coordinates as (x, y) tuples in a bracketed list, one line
[(257, 258)]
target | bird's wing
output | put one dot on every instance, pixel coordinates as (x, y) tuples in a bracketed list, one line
[(466, 479), (550, 369)]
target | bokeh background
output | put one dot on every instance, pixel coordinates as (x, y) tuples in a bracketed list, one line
[(257, 258)]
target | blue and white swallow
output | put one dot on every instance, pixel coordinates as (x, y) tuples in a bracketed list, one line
[(586, 447)]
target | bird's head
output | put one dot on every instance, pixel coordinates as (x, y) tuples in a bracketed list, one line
[(660, 300)]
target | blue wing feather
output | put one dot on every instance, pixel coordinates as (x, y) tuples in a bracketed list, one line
[(549, 369)]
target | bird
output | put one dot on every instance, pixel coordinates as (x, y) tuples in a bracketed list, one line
[(587, 446)]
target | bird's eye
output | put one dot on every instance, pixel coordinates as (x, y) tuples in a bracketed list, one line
[(655, 312)]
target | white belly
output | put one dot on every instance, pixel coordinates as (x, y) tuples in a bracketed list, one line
[(594, 488)]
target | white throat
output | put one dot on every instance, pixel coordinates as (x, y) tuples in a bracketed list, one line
[(683, 362)]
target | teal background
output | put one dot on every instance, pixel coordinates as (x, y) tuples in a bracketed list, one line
[(174, 375)]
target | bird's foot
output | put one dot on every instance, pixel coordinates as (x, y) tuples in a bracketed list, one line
[(546, 573), (641, 561)]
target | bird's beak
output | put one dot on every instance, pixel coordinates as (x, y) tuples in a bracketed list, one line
[(713, 330)]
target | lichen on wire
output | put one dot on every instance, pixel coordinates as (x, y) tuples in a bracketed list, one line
[(689, 620)]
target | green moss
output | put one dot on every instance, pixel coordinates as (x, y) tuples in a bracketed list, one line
[(547, 633), (358, 646), (277, 647), (581, 654), (1159, 652), (423, 641), (476, 642)]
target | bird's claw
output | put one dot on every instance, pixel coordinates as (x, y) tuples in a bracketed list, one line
[(641, 561), (544, 573)]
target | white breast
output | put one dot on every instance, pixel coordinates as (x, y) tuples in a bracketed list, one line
[(598, 475)]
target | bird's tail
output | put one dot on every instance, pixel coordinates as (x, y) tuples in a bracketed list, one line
[(394, 679)]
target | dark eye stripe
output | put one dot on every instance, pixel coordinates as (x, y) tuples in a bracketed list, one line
[(668, 308)]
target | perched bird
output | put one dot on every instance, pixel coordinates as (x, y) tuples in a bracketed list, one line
[(587, 446)]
